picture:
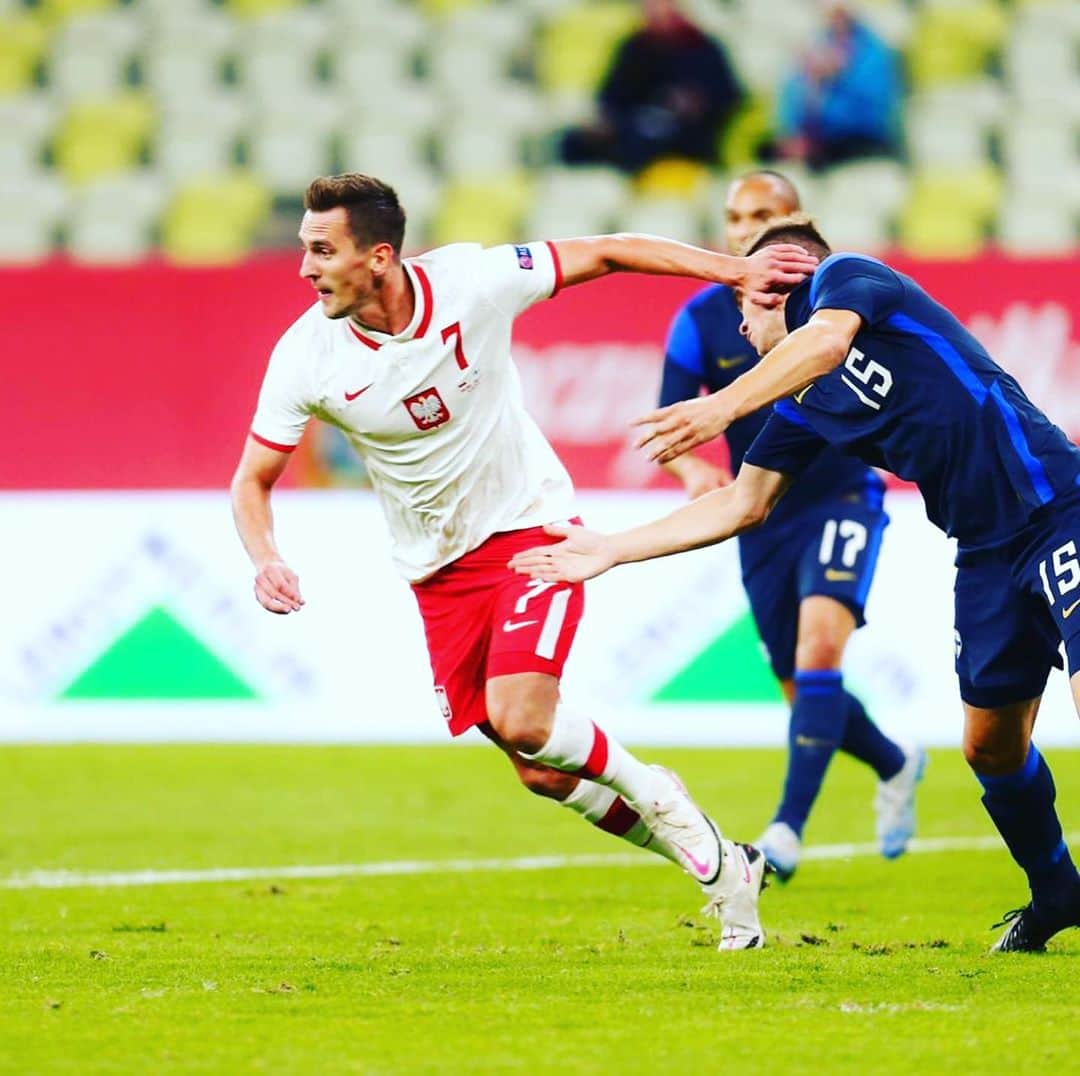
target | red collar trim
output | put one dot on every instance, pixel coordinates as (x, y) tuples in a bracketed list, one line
[(425, 320), (429, 303)]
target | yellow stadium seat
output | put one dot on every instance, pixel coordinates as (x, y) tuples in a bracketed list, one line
[(251, 8), (447, 7), (745, 132), (671, 177), (22, 41), (576, 47), (102, 137), (213, 221), (481, 210), (954, 42), (949, 213), (54, 11)]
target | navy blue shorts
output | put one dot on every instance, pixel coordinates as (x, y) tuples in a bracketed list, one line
[(832, 551), (1015, 605)]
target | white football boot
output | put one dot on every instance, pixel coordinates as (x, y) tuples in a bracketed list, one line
[(894, 804), (733, 897), (731, 875), (782, 848)]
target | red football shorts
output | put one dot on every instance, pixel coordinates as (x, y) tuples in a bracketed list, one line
[(483, 620)]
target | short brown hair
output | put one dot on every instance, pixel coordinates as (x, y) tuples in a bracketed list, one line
[(374, 212), (798, 229)]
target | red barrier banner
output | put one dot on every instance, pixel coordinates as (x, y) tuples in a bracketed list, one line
[(146, 377)]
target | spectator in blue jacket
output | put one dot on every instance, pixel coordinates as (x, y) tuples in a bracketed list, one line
[(843, 101)]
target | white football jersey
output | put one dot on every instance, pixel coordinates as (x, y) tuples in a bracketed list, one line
[(436, 412)]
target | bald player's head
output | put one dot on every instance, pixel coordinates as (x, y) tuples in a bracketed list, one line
[(755, 199)]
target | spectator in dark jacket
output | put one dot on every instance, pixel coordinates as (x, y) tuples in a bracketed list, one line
[(668, 93)]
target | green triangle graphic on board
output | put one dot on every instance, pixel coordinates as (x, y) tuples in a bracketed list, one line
[(158, 658), (730, 669)]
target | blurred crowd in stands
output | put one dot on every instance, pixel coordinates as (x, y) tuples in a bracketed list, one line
[(192, 126)]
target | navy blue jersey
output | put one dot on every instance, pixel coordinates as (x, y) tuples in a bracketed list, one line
[(919, 395), (706, 349)]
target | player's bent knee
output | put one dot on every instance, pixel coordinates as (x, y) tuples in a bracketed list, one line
[(990, 759), (520, 723)]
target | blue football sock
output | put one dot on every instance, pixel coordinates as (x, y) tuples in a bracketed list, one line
[(1021, 805), (816, 730), (866, 742)]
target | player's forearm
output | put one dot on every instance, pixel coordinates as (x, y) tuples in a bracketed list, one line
[(254, 519), (713, 518), (632, 253), (798, 360)]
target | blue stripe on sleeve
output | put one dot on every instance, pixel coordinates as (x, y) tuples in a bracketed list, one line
[(1039, 481), (684, 344), (944, 350)]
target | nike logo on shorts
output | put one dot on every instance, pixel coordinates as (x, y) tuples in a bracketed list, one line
[(511, 626), (834, 575)]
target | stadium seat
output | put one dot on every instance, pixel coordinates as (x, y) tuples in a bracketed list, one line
[(575, 48), (22, 43), (470, 149), (673, 218), (872, 187), (101, 137), (761, 59), (1036, 227), (187, 145), (91, 54), (487, 210), (214, 220), (377, 24), (255, 8), (949, 212), (1039, 61), (279, 55), (31, 209), (672, 177), (867, 230), (26, 120), (447, 7), (892, 20), (1039, 142), (954, 40), (112, 220), (287, 156), (563, 220), (384, 153), (599, 193), (938, 133), (56, 11), (746, 131)]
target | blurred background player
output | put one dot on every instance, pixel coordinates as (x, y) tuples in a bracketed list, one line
[(668, 92), (863, 358), (844, 99), (411, 359), (807, 571)]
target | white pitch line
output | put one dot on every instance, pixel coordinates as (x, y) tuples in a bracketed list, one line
[(105, 879)]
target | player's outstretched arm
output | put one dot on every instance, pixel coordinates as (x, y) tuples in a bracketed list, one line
[(798, 360), (763, 276), (584, 554), (277, 587)]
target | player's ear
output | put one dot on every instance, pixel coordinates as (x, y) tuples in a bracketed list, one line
[(382, 257)]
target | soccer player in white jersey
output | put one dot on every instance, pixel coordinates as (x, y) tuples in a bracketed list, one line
[(410, 358)]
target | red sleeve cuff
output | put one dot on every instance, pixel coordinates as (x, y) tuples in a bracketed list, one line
[(558, 268), (272, 444)]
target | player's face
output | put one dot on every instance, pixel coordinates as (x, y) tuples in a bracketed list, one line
[(333, 263), (751, 204), (763, 327)]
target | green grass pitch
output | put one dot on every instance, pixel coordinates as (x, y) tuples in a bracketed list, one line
[(872, 967)]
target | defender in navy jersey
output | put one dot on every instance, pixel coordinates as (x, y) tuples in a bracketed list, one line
[(862, 358), (807, 571)]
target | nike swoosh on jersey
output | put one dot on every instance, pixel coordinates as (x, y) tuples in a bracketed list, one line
[(509, 626), (727, 364), (1066, 613), (798, 396), (834, 575), (350, 396)]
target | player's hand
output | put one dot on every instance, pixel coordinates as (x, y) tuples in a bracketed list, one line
[(700, 477), (773, 270), (277, 587), (583, 555), (670, 431)]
